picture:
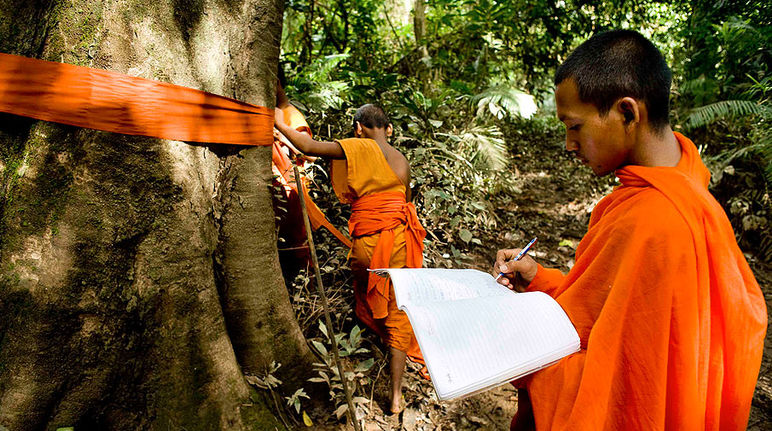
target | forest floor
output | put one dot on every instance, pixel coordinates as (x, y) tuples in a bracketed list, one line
[(557, 197)]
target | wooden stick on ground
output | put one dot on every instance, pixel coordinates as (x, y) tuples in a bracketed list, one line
[(320, 287)]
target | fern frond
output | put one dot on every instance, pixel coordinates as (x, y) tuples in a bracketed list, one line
[(488, 146), (321, 68), (708, 114), (500, 101)]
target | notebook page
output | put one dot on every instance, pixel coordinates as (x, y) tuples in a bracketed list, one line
[(424, 285), (471, 343)]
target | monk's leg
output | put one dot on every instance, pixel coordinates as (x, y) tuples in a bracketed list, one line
[(398, 362), (523, 420)]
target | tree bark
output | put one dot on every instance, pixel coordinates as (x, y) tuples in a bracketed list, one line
[(419, 25), (139, 277)]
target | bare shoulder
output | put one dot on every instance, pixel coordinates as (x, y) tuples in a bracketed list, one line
[(398, 163)]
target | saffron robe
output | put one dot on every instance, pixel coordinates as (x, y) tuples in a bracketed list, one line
[(386, 234), (670, 317), (291, 225)]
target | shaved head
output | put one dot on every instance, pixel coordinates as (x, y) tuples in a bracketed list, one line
[(617, 64), (371, 116)]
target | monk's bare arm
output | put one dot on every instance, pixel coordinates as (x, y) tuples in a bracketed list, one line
[(307, 144)]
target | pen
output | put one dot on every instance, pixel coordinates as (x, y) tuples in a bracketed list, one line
[(519, 255)]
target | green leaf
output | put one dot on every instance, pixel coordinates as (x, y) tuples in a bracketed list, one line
[(708, 114), (566, 243), (323, 328), (319, 347), (465, 235), (364, 365)]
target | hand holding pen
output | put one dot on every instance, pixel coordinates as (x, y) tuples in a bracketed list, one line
[(516, 268)]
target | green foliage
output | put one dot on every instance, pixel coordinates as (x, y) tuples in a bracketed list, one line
[(316, 88), (357, 371), (724, 109), (294, 399), (500, 101)]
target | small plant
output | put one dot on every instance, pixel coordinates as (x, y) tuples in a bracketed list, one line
[(356, 374)]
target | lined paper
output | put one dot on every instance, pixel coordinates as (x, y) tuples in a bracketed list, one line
[(475, 333)]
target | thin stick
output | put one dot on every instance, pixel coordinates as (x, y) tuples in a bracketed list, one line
[(320, 287)]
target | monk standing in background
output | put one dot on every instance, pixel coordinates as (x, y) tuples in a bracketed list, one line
[(374, 178), (670, 317), (293, 254)]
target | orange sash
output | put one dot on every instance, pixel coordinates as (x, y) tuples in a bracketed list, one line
[(114, 102), (382, 212)]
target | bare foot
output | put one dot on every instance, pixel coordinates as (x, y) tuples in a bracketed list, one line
[(398, 406)]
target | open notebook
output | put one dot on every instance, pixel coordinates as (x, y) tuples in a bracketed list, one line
[(476, 334)]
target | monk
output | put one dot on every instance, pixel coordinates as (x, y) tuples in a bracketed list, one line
[(670, 317), (374, 178), (292, 251)]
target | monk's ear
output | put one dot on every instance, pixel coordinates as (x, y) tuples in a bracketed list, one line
[(358, 129), (629, 109), (389, 130)]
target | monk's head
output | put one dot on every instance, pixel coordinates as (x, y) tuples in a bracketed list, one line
[(370, 121), (612, 90)]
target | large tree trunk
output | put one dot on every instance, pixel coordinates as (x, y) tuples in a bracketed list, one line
[(139, 278)]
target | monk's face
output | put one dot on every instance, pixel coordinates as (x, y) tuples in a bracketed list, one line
[(601, 142)]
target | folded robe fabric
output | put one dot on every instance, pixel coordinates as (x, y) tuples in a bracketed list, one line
[(382, 213), (670, 317), (387, 234), (114, 102)]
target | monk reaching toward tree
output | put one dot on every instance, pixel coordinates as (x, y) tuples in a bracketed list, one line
[(670, 317), (374, 178)]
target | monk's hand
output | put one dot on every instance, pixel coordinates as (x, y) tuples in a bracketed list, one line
[(517, 274)]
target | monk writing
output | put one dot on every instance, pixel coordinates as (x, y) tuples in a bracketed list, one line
[(670, 317), (374, 178)]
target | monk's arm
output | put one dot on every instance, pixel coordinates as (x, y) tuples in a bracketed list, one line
[(281, 97), (307, 144)]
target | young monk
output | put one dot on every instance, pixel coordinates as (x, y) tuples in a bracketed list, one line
[(374, 178), (670, 317), (293, 253)]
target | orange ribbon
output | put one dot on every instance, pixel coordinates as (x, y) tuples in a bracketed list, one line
[(114, 102), (383, 212)]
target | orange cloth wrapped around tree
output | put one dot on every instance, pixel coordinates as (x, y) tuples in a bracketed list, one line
[(670, 317), (386, 234)]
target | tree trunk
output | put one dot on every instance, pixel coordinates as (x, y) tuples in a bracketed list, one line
[(419, 25), (139, 277)]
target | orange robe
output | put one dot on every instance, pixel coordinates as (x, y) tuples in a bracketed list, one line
[(291, 225), (670, 317), (386, 234)]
